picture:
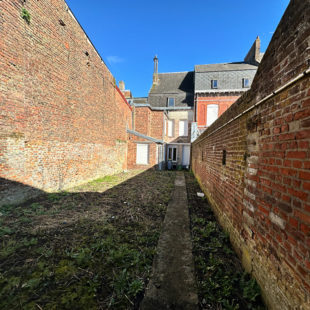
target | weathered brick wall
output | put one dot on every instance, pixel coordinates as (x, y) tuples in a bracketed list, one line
[(261, 195), (132, 153), (62, 119), (150, 123)]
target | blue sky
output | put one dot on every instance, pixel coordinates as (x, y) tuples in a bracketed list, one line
[(128, 34)]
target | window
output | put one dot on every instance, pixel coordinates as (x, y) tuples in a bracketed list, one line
[(213, 83), (142, 157), (212, 113), (245, 83), (172, 153), (170, 129), (170, 102), (165, 127), (183, 128)]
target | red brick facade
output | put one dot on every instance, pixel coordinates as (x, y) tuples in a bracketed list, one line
[(150, 123), (255, 169), (63, 121), (223, 102)]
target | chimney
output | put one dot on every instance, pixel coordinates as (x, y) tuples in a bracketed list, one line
[(254, 55), (121, 85), (155, 74)]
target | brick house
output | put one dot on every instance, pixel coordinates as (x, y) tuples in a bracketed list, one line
[(218, 86), (172, 93), (162, 122), (180, 106)]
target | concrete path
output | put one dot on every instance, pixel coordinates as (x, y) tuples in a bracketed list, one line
[(172, 285)]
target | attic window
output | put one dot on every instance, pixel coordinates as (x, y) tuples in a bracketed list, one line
[(213, 83), (245, 83), (170, 102)]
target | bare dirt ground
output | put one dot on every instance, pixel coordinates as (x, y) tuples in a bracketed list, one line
[(91, 247)]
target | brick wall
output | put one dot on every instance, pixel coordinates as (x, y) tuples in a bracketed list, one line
[(261, 195), (224, 102), (150, 123), (132, 153), (62, 119)]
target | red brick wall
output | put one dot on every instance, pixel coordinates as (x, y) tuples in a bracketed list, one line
[(224, 102), (150, 123), (142, 117), (132, 153), (62, 120), (157, 124), (262, 194)]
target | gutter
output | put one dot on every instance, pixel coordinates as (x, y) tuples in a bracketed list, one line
[(138, 105), (144, 136)]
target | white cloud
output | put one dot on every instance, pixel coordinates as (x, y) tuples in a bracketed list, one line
[(114, 59)]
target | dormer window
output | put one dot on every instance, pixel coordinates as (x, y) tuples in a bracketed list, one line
[(245, 83), (214, 84), (170, 102)]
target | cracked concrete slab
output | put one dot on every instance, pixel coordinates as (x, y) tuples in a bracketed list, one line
[(172, 285)]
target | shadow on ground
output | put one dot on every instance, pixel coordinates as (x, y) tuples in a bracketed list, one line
[(91, 247)]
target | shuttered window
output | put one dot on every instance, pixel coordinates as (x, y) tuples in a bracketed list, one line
[(142, 154), (170, 128), (212, 113), (183, 128)]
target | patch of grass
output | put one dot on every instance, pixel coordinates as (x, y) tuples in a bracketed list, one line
[(221, 281), (107, 178), (60, 252)]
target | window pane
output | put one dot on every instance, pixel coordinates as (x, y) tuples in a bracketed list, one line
[(174, 154), (170, 102), (246, 83), (214, 83)]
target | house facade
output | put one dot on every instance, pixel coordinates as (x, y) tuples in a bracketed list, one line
[(173, 94), (218, 86), (180, 106)]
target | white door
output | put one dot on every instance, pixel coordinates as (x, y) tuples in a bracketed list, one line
[(186, 155), (142, 154), (212, 113)]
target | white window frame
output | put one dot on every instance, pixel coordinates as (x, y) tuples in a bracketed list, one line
[(168, 100), (171, 147), (244, 84), (183, 131), (214, 84), (170, 128), (139, 160)]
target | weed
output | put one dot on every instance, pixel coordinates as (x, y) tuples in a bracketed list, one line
[(26, 15), (221, 282)]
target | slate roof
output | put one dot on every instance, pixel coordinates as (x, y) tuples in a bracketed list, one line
[(233, 66), (229, 76), (179, 85), (174, 82)]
